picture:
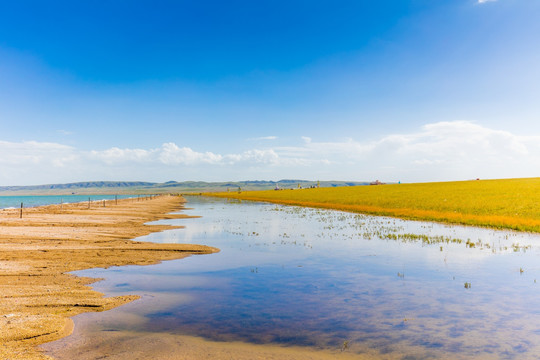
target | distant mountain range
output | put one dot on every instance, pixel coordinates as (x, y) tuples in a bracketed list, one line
[(141, 187)]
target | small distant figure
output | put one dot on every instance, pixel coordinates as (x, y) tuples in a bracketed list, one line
[(477, 178)]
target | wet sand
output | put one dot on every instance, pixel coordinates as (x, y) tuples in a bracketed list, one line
[(164, 346), (117, 335), (38, 297)]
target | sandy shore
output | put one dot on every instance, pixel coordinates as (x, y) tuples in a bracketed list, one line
[(37, 297), (163, 346)]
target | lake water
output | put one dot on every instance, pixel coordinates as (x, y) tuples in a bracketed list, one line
[(321, 278), (41, 200)]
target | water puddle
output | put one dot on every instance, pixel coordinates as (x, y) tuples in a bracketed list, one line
[(331, 280)]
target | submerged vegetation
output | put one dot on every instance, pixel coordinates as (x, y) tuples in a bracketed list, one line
[(509, 204), (337, 225)]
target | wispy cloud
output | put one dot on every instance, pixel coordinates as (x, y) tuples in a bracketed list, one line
[(485, 1), (437, 151), (265, 138), (170, 154), (28, 153)]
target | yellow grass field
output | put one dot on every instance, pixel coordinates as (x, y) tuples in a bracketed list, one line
[(511, 203)]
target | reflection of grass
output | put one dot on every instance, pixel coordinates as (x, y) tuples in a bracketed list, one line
[(511, 204)]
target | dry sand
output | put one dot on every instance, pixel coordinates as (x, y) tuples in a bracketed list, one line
[(38, 297)]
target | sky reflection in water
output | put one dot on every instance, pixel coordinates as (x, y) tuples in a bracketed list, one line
[(318, 278)]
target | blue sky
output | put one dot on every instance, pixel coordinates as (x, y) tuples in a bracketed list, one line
[(409, 91)]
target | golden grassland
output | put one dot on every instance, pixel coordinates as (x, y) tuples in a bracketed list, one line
[(509, 204)]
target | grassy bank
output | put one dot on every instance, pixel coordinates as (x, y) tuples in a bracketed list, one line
[(510, 204)]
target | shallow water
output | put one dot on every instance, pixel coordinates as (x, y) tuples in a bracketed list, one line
[(41, 200), (335, 280)]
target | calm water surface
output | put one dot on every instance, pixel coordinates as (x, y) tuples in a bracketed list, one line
[(40, 200), (319, 278)]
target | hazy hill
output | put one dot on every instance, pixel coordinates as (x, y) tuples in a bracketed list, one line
[(141, 187)]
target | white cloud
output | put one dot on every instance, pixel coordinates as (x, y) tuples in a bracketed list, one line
[(485, 1), (36, 163), (259, 157), (444, 141), (435, 152), (171, 154), (30, 153), (438, 151), (116, 155), (265, 138)]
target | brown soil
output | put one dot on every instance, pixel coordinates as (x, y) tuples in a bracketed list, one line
[(38, 297)]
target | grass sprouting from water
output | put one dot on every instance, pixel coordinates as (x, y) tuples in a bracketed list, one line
[(509, 204)]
